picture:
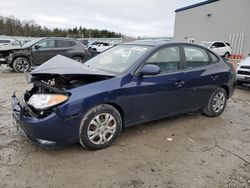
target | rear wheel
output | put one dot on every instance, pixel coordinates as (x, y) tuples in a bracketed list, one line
[(100, 127), (21, 64), (78, 59), (217, 103)]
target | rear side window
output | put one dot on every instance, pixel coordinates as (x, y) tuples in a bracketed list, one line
[(64, 43), (195, 57), (215, 59), (167, 59)]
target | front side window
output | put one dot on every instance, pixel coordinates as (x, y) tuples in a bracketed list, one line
[(46, 44), (167, 59), (195, 57), (118, 59)]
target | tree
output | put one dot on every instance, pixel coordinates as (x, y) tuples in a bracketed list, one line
[(29, 28)]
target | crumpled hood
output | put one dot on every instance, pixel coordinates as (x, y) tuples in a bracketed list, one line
[(60, 65)]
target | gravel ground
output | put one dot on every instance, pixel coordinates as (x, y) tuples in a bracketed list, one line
[(202, 151)]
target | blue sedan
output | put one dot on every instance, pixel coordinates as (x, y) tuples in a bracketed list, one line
[(126, 85)]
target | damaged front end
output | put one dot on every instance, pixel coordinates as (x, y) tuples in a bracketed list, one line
[(55, 90), (7, 54), (39, 115)]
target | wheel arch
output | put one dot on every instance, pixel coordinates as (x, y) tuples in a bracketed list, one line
[(78, 55), (226, 88), (120, 110), (14, 58)]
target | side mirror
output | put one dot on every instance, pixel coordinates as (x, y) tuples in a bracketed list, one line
[(150, 70), (212, 47), (36, 47)]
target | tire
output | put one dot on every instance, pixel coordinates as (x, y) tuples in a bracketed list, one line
[(21, 64), (78, 59), (100, 127), (213, 108), (227, 55)]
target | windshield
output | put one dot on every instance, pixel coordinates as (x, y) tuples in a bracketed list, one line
[(206, 44), (28, 44), (118, 59)]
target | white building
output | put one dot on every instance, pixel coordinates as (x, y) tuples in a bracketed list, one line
[(215, 20)]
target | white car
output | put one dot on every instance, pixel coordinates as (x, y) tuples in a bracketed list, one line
[(243, 72), (99, 46), (221, 48), (9, 42)]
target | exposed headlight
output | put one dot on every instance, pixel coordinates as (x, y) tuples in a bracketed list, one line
[(45, 101)]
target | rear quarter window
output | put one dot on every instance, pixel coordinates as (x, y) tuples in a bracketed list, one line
[(195, 57), (214, 58)]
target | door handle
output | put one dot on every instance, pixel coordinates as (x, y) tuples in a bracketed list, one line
[(179, 83)]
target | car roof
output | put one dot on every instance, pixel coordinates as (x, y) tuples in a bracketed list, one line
[(214, 41), (63, 38), (158, 43), (154, 43)]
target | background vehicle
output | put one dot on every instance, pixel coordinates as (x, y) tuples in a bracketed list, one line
[(9, 42), (99, 46), (243, 72), (126, 85), (84, 41), (221, 48), (41, 50)]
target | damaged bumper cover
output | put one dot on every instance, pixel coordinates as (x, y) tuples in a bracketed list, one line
[(50, 131)]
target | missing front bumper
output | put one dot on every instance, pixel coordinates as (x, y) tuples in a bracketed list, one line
[(51, 131)]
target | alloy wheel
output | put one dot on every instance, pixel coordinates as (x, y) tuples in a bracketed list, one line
[(78, 59), (101, 129), (22, 65), (219, 102)]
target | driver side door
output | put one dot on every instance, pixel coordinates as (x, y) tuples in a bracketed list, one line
[(156, 96), (44, 51)]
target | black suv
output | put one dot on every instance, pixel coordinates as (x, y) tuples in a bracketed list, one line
[(41, 50)]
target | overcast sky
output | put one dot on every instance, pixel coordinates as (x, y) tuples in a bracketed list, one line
[(130, 17)]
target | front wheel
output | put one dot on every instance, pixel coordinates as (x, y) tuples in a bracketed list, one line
[(21, 64), (100, 127), (217, 103)]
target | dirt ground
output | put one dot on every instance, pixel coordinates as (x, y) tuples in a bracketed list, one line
[(204, 152)]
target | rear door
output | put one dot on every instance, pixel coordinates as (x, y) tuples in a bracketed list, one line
[(44, 52), (201, 76), (63, 47)]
